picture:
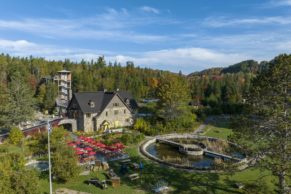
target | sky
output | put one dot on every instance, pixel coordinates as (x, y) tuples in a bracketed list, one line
[(174, 35)]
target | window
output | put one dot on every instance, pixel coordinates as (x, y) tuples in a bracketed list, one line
[(116, 112), (91, 104), (88, 115), (106, 113), (115, 104), (124, 111)]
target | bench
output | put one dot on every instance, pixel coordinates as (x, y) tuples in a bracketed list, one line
[(133, 176), (126, 161)]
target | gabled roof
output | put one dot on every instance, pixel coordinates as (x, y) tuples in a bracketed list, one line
[(101, 100)]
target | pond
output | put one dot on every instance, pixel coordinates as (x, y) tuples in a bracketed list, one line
[(207, 161)]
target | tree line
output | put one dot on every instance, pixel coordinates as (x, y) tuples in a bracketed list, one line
[(24, 84)]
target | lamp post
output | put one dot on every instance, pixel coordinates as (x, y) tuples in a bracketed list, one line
[(49, 156)]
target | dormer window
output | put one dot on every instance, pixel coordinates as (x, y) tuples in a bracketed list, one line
[(91, 104)]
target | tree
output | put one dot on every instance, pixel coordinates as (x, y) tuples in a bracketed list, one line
[(64, 163), (268, 120), (64, 159), (49, 100), (15, 178), (20, 105), (15, 136), (173, 94), (142, 126), (25, 181), (4, 116)]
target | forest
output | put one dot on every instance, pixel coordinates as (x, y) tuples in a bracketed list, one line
[(219, 90)]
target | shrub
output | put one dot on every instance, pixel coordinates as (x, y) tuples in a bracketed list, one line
[(15, 136)]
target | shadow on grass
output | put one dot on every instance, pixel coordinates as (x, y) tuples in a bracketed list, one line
[(181, 181)]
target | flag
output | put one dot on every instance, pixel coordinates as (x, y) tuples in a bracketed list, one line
[(49, 127)]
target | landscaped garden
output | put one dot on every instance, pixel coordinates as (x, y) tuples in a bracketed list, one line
[(179, 181)]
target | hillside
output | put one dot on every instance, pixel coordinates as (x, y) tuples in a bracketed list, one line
[(248, 66)]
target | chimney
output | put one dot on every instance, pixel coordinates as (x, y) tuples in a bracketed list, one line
[(104, 90), (117, 89)]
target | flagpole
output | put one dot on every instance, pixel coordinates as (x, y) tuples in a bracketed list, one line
[(49, 156)]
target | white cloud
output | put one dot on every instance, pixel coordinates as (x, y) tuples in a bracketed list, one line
[(279, 3), (186, 58), (222, 21), (169, 59), (17, 45), (150, 9), (111, 25)]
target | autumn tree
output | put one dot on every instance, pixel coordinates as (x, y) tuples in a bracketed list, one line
[(266, 133), (173, 94)]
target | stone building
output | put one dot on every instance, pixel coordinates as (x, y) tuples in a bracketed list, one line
[(102, 110)]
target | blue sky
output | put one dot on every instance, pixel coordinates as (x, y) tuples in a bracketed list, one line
[(174, 35)]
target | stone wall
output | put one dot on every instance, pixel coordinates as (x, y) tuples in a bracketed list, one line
[(116, 114)]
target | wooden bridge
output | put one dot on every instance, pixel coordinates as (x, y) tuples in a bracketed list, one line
[(206, 152)]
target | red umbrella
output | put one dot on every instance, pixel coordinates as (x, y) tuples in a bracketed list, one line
[(78, 149), (110, 148), (80, 152), (118, 145), (101, 145), (88, 149), (91, 153)]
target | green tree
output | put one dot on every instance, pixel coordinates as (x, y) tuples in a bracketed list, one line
[(4, 109), (25, 182), (173, 94), (15, 136), (20, 106), (144, 127), (64, 163), (49, 100), (15, 178), (268, 120)]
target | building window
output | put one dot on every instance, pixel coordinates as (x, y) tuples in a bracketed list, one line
[(106, 113), (91, 104), (116, 112), (115, 104), (124, 111), (88, 115)]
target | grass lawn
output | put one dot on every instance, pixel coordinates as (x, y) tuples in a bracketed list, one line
[(218, 128), (180, 181), (79, 185), (219, 132)]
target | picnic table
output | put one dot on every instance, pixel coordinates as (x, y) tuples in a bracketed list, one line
[(97, 183)]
